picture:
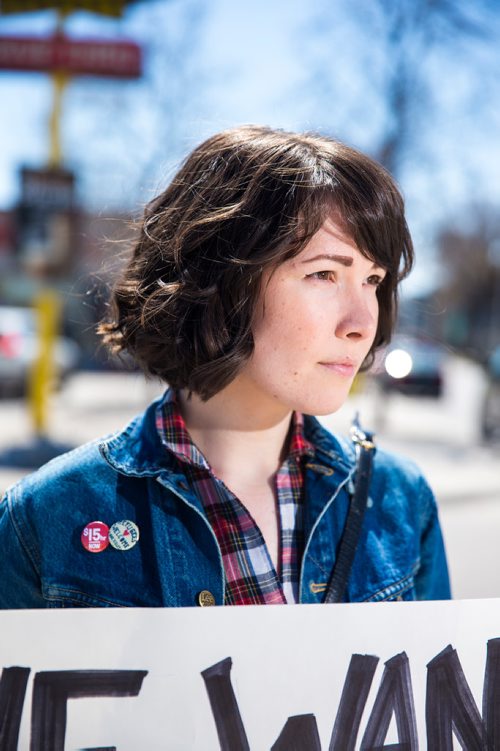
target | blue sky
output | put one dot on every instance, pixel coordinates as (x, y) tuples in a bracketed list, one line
[(286, 63)]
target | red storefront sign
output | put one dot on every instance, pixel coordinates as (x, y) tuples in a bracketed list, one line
[(76, 57), (104, 7)]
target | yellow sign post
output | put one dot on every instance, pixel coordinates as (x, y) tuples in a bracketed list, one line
[(48, 303), (47, 307), (59, 82)]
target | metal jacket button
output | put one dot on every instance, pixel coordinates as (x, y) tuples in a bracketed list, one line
[(205, 598)]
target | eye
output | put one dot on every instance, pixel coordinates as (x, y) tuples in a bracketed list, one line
[(324, 276), (375, 280)]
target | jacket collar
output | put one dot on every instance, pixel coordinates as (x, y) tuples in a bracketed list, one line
[(138, 451)]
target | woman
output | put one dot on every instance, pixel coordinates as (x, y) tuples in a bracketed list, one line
[(263, 278)]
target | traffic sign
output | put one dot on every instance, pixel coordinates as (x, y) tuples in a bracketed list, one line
[(117, 59), (47, 189), (47, 220)]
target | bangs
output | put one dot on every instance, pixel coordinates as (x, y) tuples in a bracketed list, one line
[(371, 217)]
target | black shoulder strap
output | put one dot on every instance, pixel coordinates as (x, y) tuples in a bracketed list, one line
[(365, 449)]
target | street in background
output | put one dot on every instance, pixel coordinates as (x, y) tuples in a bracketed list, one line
[(412, 366)]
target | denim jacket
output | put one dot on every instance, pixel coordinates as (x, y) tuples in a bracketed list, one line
[(131, 476)]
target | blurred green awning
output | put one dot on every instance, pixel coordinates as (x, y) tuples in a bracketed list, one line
[(104, 7)]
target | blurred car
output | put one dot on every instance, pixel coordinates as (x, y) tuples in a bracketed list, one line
[(490, 418), (411, 366), (19, 348)]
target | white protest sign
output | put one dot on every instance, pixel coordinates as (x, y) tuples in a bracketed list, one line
[(308, 677)]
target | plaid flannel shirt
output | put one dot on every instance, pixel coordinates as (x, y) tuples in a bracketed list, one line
[(251, 578)]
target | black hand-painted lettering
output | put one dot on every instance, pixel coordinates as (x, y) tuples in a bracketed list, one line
[(394, 697), (225, 710), (352, 702), (52, 689), (12, 693), (450, 707), (491, 695), (300, 733)]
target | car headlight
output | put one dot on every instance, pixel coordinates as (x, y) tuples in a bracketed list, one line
[(398, 363)]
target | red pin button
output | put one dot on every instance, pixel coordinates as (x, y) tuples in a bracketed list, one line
[(95, 537)]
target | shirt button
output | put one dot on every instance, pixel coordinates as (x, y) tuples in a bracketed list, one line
[(205, 598)]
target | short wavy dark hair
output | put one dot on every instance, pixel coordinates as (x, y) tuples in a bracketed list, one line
[(246, 199)]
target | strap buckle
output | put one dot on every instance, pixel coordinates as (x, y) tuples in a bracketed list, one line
[(361, 437)]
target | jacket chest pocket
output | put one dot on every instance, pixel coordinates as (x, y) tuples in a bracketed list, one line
[(84, 592), (61, 596), (402, 590)]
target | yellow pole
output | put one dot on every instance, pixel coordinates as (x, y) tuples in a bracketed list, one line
[(59, 82), (47, 304), (47, 308)]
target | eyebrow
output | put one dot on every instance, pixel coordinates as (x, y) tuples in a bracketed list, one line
[(344, 260)]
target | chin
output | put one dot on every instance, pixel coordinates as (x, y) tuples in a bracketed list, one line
[(326, 410), (320, 405)]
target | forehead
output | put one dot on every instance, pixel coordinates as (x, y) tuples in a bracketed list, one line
[(334, 239), (330, 242), (330, 235)]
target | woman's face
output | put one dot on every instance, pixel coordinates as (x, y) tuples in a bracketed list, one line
[(314, 324)]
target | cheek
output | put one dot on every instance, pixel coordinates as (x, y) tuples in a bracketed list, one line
[(288, 332), (294, 326), (271, 322), (376, 317)]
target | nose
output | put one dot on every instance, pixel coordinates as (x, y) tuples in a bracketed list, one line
[(359, 318)]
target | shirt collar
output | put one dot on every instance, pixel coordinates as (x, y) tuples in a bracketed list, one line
[(298, 445), (174, 434)]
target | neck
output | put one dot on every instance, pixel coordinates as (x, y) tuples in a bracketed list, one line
[(237, 434)]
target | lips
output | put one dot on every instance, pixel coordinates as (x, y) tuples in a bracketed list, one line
[(345, 368)]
